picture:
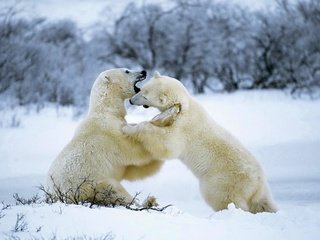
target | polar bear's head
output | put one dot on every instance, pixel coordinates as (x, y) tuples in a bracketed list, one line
[(119, 82), (162, 92)]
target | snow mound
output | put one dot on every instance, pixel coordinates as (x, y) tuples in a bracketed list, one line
[(71, 221)]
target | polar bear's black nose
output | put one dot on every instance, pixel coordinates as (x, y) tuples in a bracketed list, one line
[(144, 73)]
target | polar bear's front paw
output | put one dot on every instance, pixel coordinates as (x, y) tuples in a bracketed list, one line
[(130, 129), (166, 118), (150, 202)]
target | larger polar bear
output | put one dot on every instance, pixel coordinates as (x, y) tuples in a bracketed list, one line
[(99, 155), (227, 172)]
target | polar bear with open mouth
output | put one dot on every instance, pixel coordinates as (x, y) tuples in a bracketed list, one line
[(99, 155)]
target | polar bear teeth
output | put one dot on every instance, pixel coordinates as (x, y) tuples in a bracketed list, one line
[(141, 78)]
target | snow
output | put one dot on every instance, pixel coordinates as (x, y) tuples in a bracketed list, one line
[(64, 221), (283, 133)]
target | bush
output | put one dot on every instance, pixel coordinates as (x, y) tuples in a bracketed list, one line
[(108, 198), (209, 46)]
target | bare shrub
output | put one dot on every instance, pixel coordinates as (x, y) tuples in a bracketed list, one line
[(26, 201), (107, 236), (3, 208), (21, 225), (90, 197)]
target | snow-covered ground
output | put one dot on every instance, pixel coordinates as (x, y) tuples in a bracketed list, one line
[(283, 133)]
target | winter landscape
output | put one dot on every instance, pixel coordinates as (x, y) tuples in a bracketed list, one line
[(263, 89)]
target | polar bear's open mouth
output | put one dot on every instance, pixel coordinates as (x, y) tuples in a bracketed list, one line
[(142, 76)]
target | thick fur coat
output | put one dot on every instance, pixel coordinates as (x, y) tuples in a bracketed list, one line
[(99, 155), (227, 171)]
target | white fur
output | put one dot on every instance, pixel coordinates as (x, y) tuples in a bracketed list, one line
[(227, 172), (99, 152)]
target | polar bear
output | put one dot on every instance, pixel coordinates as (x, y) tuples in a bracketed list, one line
[(99, 155), (227, 172)]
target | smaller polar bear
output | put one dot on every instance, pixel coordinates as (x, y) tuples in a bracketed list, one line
[(99, 155), (227, 172)]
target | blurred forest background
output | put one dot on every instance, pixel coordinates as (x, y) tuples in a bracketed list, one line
[(209, 46)]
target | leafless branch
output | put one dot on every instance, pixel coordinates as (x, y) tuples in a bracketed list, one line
[(20, 225)]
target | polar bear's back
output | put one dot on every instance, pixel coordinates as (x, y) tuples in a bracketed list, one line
[(84, 157), (227, 171)]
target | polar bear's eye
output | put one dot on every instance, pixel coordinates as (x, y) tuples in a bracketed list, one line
[(127, 71)]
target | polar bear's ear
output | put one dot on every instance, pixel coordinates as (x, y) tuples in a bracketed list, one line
[(163, 98), (156, 74)]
